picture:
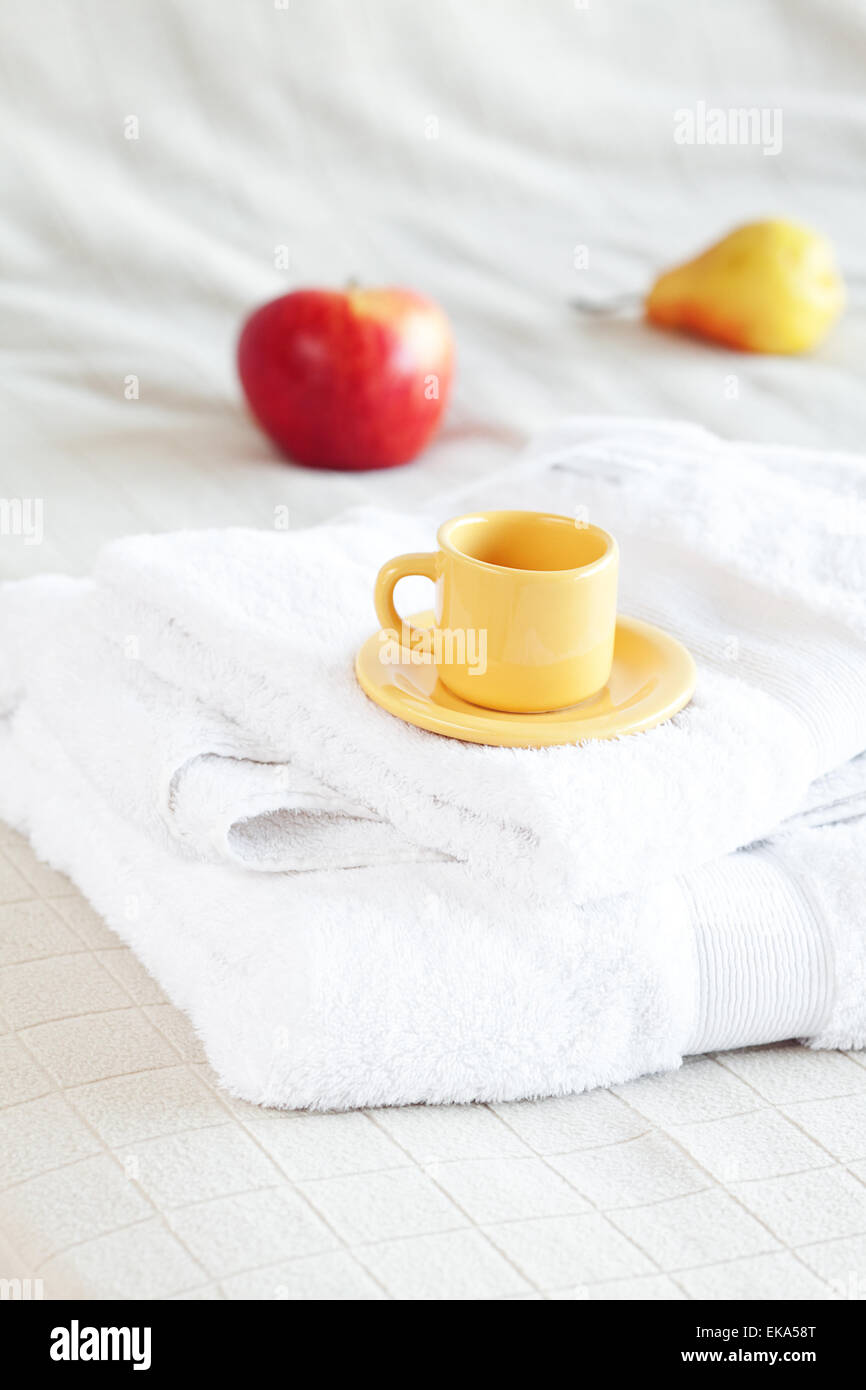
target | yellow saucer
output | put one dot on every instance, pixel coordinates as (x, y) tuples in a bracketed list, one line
[(653, 676)]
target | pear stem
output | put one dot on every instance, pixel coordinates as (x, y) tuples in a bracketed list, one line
[(616, 304)]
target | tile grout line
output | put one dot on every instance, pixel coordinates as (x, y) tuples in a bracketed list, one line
[(347, 1248), (421, 1168), (599, 1211), (106, 1150), (717, 1185)]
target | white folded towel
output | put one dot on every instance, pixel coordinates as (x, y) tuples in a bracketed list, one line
[(186, 774), (198, 694), (246, 640), (416, 983)]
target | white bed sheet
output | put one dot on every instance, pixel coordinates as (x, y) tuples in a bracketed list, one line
[(467, 148), (261, 127)]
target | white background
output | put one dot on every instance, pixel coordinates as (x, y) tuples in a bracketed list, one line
[(308, 128)]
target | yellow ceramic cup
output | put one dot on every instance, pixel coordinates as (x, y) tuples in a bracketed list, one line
[(525, 609)]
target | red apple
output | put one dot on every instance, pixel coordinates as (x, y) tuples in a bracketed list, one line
[(352, 380)]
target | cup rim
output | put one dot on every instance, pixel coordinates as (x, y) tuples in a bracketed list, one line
[(445, 543)]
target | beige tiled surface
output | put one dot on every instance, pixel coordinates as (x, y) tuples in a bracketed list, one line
[(126, 1172)]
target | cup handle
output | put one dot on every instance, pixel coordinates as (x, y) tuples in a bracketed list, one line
[(420, 563)]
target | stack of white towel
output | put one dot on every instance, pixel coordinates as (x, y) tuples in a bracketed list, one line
[(355, 912)]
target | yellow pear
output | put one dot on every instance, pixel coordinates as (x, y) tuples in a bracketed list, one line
[(766, 287)]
